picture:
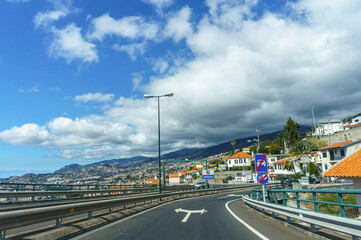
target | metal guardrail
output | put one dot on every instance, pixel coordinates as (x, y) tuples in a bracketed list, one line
[(337, 223), (286, 195), (19, 218), (34, 195), (52, 187)]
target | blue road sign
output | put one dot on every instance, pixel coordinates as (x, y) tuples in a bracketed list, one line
[(206, 177), (208, 174), (262, 178), (261, 163)]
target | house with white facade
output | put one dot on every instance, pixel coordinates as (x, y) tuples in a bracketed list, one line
[(239, 159), (329, 126), (272, 158), (337, 152), (356, 120), (175, 179), (299, 165)]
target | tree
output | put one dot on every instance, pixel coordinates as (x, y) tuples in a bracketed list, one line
[(233, 143), (274, 148), (299, 148), (348, 119), (315, 143), (291, 131), (288, 165), (312, 169), (263, 148), (194, 176), (253, 150)]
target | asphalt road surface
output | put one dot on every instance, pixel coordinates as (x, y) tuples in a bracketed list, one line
[(209, 220)]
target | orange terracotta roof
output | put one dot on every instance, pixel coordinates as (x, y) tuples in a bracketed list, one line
[(350, 167), (241, 155), (183, 173), (336, 145), (354, 125), (212, 165), (192, 171), (176, 175), (284, 160)]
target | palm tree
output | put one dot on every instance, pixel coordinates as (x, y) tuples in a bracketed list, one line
[(288, 165), (233, 143)]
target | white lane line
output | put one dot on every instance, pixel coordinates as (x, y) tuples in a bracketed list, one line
[(243, 222)]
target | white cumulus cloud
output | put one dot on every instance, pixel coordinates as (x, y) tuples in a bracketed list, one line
[(132, 27), (94, 97), (68, 43)]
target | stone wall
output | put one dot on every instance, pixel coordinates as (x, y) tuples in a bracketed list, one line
[(351, 134)]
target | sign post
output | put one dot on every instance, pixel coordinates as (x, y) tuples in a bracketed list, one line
[(262, 172), (207, 174)]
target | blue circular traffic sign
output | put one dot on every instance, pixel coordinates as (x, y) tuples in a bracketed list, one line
[(262, 178)]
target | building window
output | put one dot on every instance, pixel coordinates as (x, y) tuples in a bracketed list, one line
[(342, 152), (236, 161), (336, 151), (324, 154), (230, 161)]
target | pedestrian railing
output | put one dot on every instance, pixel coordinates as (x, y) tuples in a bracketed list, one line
[(329, 208), (330, 201)]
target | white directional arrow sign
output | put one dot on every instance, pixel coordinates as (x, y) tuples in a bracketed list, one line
[(189, 212)]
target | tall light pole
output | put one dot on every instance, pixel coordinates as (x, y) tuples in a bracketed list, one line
[(159, 161), (257, 131), (314, 122)]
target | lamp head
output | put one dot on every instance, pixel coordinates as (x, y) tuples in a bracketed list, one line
[(169, 95), (148, 96)]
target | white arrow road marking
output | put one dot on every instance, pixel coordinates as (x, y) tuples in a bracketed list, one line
[(189, 212)]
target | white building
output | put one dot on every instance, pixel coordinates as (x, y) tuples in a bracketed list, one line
[(337, 152), (356, 120), (329, 126), (175, 179), (299, 165), (239, 159)]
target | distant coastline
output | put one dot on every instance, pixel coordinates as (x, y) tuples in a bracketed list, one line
[(9, 173)]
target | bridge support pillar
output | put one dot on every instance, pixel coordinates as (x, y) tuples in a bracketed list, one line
[(90, 215), (313, 228), (2, 235), (274, 214), (355, 238), (59, 222), (110, 210), (289, 220)]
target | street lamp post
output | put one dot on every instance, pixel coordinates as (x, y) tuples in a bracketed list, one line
[(159, 161), (257, 131)]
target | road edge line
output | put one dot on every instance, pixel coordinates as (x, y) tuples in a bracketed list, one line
[(243, 222)]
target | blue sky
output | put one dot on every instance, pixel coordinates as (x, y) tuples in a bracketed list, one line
[(73, 74)]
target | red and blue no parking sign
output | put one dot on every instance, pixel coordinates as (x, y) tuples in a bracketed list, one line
[(262, 178)]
